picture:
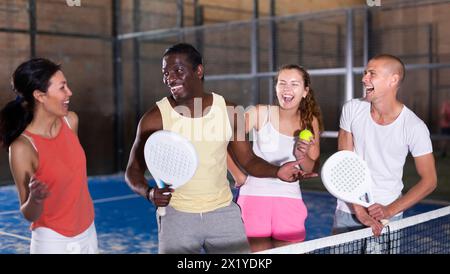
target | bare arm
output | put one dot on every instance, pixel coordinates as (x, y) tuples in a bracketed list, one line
[(23, 161), (251, 121), (254, 165), (345, 142), (72, 117), (136, 167), (308, 152), (426, 169), (251, 163), (238, 175)]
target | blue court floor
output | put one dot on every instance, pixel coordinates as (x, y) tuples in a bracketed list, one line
[(126, 223)]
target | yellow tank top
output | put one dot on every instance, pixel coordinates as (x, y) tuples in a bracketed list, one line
[(209, 189)]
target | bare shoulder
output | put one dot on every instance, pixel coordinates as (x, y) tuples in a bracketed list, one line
[(22, 150), (73, 119), (151, 120), (315, 122), (230, 104), (20, 145)]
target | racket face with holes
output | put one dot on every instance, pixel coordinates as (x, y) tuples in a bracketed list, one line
[(347, 177), (170, 158)]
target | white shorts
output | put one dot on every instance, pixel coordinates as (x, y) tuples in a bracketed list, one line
[(47, 241)]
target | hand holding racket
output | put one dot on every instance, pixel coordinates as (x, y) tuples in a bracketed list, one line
[(171, 159), (347, 177), (290, 172)]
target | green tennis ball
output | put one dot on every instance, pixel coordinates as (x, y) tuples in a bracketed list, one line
[(305, 135)]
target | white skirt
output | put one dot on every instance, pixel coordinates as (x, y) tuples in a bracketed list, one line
[(47, 241)]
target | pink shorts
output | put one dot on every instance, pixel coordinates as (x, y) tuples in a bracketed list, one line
[(277, 217)]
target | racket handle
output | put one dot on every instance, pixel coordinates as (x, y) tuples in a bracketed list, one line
[(161, 211), (384, 222), (159, 183)]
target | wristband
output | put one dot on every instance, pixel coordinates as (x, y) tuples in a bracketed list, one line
[(150, 194)]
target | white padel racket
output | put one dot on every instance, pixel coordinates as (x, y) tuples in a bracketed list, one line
[(347, 177), (171, 159)]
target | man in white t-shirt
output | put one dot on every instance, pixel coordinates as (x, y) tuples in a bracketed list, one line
[(382, 130)]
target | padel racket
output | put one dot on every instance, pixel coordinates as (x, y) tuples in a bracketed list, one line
[(347, 177), (171, 159)]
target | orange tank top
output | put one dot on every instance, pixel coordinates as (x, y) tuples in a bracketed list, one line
[(68, 209)]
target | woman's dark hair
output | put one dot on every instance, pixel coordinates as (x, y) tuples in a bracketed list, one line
[(308, 106), (29, 76)]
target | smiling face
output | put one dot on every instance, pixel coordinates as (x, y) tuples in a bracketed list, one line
[(381, 79), (183, 80), (374, 80), (56, 99), (290, 88)]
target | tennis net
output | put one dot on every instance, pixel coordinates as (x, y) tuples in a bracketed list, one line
[(426, 233)]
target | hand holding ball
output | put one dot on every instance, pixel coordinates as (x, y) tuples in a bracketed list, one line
[(306, 135)]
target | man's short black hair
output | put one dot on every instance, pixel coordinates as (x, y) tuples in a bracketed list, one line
[(194, 57)]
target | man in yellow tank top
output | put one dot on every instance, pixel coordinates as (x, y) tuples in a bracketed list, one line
[(200, 216)]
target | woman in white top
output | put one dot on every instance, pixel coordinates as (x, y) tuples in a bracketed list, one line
[(273, 210)]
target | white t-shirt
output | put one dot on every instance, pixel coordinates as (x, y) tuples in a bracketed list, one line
[(384, 147)]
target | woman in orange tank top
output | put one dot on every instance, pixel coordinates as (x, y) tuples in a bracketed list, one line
[(47, 161)]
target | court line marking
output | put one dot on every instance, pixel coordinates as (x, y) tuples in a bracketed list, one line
[(15, 236), (117, 198), (98, 201), (9, 212)]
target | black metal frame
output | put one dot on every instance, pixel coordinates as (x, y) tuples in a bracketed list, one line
[(116, 44)]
